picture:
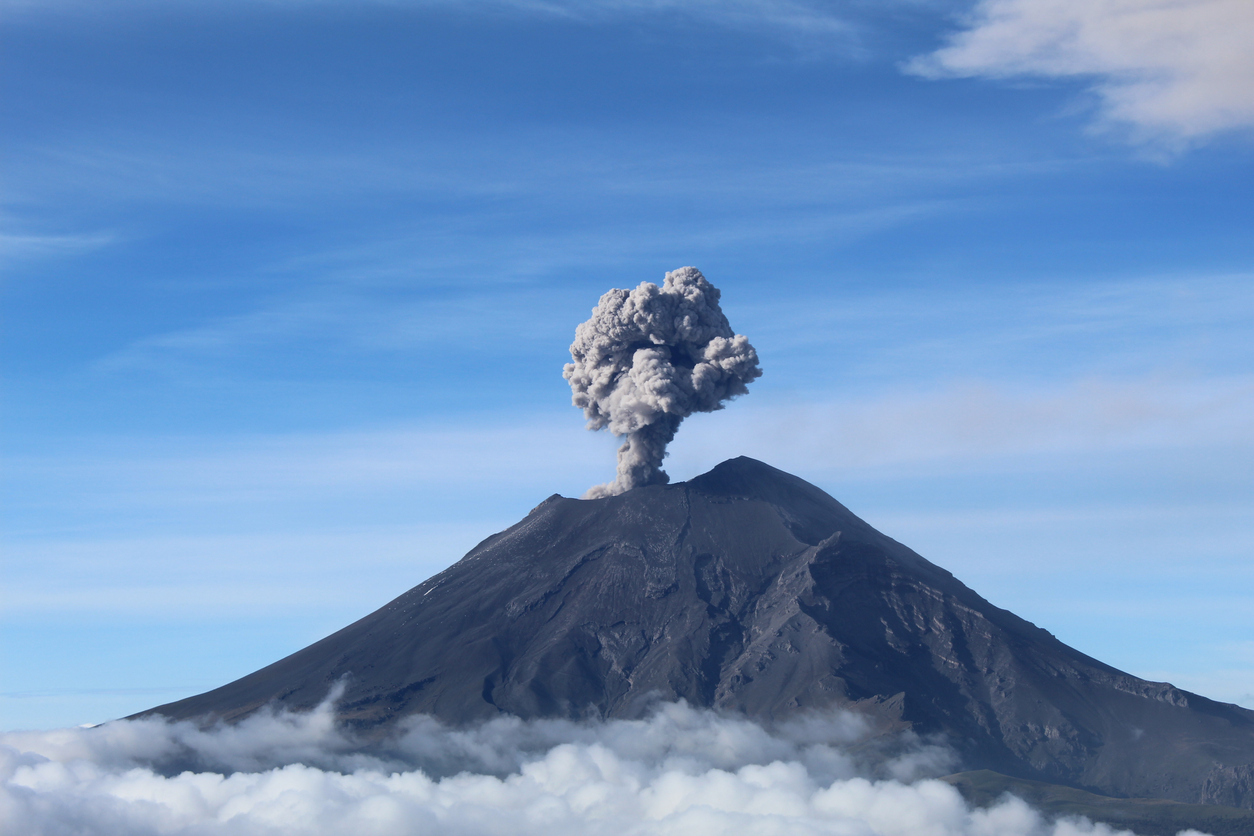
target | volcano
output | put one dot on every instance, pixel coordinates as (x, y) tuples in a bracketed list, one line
[(751, 591)]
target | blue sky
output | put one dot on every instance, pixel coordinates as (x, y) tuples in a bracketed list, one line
[(288, 287)]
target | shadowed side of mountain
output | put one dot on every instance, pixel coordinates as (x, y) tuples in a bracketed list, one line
[(749, 590)]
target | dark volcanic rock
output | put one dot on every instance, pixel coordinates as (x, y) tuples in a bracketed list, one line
[(752, 591)]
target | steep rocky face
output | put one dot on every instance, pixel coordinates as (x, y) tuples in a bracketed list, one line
[(750, 590)]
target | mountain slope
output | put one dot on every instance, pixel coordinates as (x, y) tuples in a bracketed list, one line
[(750, 590)]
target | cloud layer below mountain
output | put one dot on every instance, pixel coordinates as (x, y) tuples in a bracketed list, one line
[(679, 771)]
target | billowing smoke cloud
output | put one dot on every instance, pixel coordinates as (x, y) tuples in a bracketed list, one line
[(680, 771), (647, 359)]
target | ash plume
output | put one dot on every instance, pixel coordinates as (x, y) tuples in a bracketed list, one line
[(647, 359)]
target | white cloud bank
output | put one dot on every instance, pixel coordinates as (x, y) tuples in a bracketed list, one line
[(1173, 71), (681, 771)]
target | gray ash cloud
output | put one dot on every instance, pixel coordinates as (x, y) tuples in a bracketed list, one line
[(647, 359)]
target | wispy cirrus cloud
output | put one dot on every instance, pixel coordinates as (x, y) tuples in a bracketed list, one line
[(977, 424), (793, 17), (965, 426), (16, 246), (334, 319), (1171, 72), (1167, 73)]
